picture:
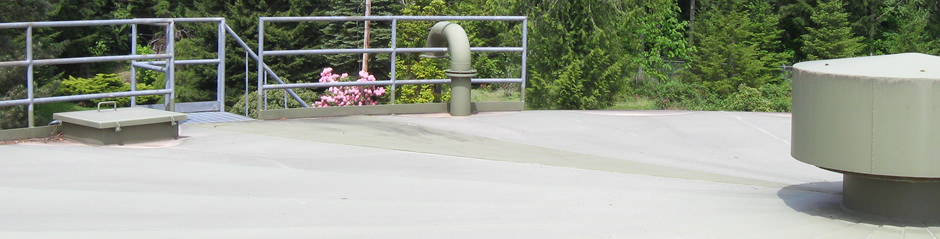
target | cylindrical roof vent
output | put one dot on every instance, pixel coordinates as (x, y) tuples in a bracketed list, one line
[(876, 120)]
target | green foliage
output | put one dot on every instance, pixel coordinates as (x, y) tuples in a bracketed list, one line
[(275, 100), (147, 76), (662, 37), (576, 38), (410, 66), (831, 37), (736, 45), (912, 18), (747, 99), (103, 83)]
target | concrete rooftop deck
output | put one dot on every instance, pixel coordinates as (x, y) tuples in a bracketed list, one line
[(531, 174)]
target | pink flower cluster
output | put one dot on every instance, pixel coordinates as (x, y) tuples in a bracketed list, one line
[(348, 95)]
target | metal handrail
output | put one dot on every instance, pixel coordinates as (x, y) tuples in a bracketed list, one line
[(393, 50), (267, 69), (168, 61)]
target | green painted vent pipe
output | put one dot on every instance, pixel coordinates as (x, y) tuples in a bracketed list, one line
[(452, 36)]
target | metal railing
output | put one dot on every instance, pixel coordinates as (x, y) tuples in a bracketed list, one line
[(168, 62), (393, 50)]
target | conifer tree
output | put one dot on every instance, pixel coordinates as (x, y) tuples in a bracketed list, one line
[(912, 18), (737, 42), (832, 36)]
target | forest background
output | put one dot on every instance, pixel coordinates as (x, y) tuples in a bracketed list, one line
[(583, 54)]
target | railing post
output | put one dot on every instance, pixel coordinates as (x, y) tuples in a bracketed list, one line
[(133, 68), (394, 46), (171, 66), (525, 50), (260, 66), (29, 76), (220, 71)]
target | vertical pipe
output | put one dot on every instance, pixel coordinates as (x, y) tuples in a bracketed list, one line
[(29, 75), (171, 66), (133, 68), (394, 58), (260, 65), (525, 50), (265, 92), (460, 96), (220, 70)]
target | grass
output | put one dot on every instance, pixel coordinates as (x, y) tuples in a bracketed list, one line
[(494, 95), (634, 103)]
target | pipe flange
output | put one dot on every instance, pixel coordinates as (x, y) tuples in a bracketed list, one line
[(465, 74)]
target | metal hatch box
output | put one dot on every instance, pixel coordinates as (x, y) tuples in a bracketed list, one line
[(876, 120), (120, 125)]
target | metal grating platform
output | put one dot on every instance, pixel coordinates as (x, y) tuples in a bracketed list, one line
[(214, 117)]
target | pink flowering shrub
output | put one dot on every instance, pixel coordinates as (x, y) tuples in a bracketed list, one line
[(348, 95)]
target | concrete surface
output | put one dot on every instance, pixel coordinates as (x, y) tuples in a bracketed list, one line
[(532, 174)]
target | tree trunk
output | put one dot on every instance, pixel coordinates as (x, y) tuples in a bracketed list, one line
[(691, 21)]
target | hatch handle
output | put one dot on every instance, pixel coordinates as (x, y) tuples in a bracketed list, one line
[(107, 102)]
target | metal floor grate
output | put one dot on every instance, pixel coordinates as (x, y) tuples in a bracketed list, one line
[(213, 117)]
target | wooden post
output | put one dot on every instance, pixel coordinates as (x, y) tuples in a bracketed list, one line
[(365, 38)]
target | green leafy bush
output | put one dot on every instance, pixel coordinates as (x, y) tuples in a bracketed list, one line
[(275, 101), (104, 83)]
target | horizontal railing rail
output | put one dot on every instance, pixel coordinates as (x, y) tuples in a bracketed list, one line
[(155, 62), (393, 50)]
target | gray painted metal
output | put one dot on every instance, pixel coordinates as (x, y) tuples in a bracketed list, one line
[(385, 50), (187, 62), (390, 18), (388, 82), (82, 23), (214, 117), (77, 60), (84, 97), (893, 198), (253, 55), (146, 66), (390, 109), (461, 69), (875, 119), (120, 117), (394, 57), (29, 77), (189, 107), (133, 63)]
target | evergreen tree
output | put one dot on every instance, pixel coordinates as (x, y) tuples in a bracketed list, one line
[(912, 18), (736, 43), (577, 55), (831, 37)]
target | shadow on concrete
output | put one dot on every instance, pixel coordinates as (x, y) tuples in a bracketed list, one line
[(824, 199)]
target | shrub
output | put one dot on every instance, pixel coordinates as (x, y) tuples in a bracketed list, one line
[(104, 83), (348, 95)]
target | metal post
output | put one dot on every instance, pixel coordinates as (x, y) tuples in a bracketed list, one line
[(394, 46), (29, 75), (260, 65), (133, 68), (171, 66), (525, 50), (220, 71)]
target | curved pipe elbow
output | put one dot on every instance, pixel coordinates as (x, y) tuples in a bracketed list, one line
[(452, 36)]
